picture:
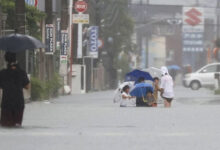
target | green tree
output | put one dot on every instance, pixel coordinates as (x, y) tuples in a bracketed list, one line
[(118, 25), (33, 17)]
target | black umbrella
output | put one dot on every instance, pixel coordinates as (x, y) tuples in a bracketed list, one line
[(18, 42)]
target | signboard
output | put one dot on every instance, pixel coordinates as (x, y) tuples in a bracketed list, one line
[(81, 18), (81, 6), (93, 41), (63, 65), (49, 39), (193, 19), (193, 36), (64, 42), (193, 41), (58, 34)]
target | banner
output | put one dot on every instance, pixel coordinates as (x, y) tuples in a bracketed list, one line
[(64, 42), (49, 39), (93, 41)]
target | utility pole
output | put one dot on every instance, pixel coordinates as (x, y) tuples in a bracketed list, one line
[(49, 57), (20, 28), (64, 15), (64, 27)]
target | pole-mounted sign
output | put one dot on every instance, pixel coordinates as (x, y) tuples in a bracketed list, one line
[(49, 39), (93, 41), (81, 6)]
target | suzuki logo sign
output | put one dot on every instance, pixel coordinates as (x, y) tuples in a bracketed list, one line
[(193, 17)]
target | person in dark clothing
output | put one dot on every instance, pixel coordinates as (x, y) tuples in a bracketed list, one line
[(12, 81)]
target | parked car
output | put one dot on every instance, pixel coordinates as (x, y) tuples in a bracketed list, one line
[(204, 77)]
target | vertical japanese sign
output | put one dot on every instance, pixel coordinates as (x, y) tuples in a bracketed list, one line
[(64, 42), (49, 39), (58, 33), (93, 41), (193, 35), (63, 52)]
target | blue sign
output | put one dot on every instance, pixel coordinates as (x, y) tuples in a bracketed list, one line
[(193, 42), (193, 49), (93, 41)]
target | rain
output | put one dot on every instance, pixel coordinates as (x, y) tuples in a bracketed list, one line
[(109, 74)]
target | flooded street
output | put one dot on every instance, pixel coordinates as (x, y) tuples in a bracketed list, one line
[(92, 121)]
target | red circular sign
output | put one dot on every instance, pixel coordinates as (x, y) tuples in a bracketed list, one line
[(81, 6)]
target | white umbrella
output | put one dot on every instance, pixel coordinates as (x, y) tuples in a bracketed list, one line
[(154, 72), (118, 91)]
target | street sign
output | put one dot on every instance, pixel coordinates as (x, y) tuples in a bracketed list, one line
[(93, 41), (81, 18), (49, 39), (81, 6)]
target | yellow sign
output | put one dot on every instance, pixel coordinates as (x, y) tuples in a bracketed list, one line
[(81, 18)]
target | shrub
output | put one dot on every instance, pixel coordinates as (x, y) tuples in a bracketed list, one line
[(53, 86), (37, 89), (45, 90)]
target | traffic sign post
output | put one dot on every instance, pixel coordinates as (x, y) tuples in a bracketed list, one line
[(81, 6), (80, 18)]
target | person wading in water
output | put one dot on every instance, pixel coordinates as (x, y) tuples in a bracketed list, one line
[(12, 81)]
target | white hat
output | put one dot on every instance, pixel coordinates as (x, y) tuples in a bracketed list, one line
[(164, 70)]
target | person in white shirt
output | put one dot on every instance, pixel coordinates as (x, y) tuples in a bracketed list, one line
[(126, 98), (166, 87)]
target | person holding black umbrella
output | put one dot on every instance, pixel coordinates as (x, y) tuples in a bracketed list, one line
[(12, 81)]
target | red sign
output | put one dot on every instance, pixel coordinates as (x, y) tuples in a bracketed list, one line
[(193, 17), (81, 6)]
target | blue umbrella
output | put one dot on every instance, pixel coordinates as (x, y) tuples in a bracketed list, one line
[(136, 74), (174, 67), (141, 89)]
